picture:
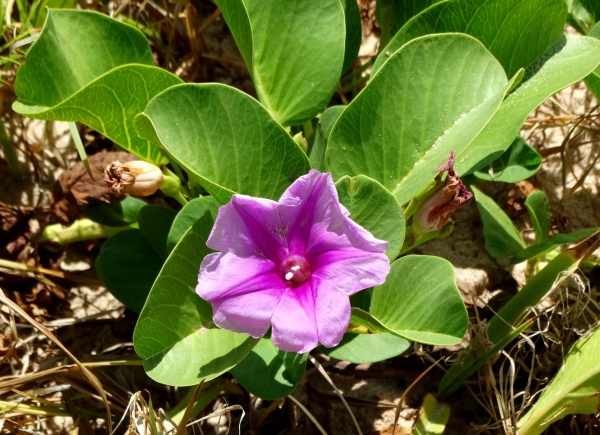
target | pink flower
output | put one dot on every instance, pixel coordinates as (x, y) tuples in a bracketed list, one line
[(291, 263), (447, 197)]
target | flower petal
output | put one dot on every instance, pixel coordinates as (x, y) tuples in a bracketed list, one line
[(294, 325), (225, 275), (248, 313), (351, 270), (248, 226), (332, 313)]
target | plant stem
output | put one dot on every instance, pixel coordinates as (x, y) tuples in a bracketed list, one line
[(10, 153), (80, 230)]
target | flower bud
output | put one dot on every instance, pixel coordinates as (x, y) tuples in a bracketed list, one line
[(301, 141), (136, 178), (438, 206)]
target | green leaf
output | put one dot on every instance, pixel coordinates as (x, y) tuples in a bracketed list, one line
[(569, 60), (501, 236), (128, 266), (353, 32), (75, 48), (225, 139), (393, 14), (423, 104), (174, 334), (109, 105), (433, 417), (155, 224), (362, 322), (551, 244), (118, 214), (375, 209), (508, 322), (293, 50), (593, 80), (574, 389), (326, 122), (519, 161), (270, 373), (585, 13), (516, 32), (420, 301), (367, 348), (188, 216), (538, 207), (77, 70)]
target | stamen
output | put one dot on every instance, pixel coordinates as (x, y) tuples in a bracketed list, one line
[(295, 270)]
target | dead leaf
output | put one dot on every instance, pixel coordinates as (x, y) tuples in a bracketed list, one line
[(74, 188)]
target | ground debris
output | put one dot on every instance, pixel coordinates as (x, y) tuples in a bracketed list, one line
[(75, 188)]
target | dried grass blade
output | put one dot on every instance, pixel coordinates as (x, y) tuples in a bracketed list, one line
[(88, 374)]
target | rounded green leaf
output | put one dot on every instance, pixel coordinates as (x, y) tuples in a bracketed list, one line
[(420, 301), (270, 373), (109, 105), (128, 266), (367, 348), (75, 48), (117, 214), (225, 139), (174, 334), (432, 97), (569, 60), (188, 216), (519, 161), (515, 31), (293, 50), (375, 209), (155, 223)]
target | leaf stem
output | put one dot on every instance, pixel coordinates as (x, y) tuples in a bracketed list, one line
[(10, 152)]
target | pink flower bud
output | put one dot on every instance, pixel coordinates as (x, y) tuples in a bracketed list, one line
[(136, 178), (439, 205)]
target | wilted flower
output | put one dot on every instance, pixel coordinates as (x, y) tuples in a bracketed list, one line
[(447, 197), (291, 263), (136, 178)]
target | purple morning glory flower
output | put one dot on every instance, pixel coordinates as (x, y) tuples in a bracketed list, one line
[(291, 263)]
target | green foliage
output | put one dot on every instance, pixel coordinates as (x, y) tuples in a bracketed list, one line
[(353, 32), (81, 69), (174, 334), (414, 119), (270, 373), (538, 206), (519, 161), (374, 208), (294, 75), (574, 389), (501, 236), (393, 14), (155, 224), (420, 301), (569, 60), (433, 418), (225, 139), (188, 216), (128, 265), (326, 122), (551, 244), (516, 32), (367, 348), (117, 214)]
